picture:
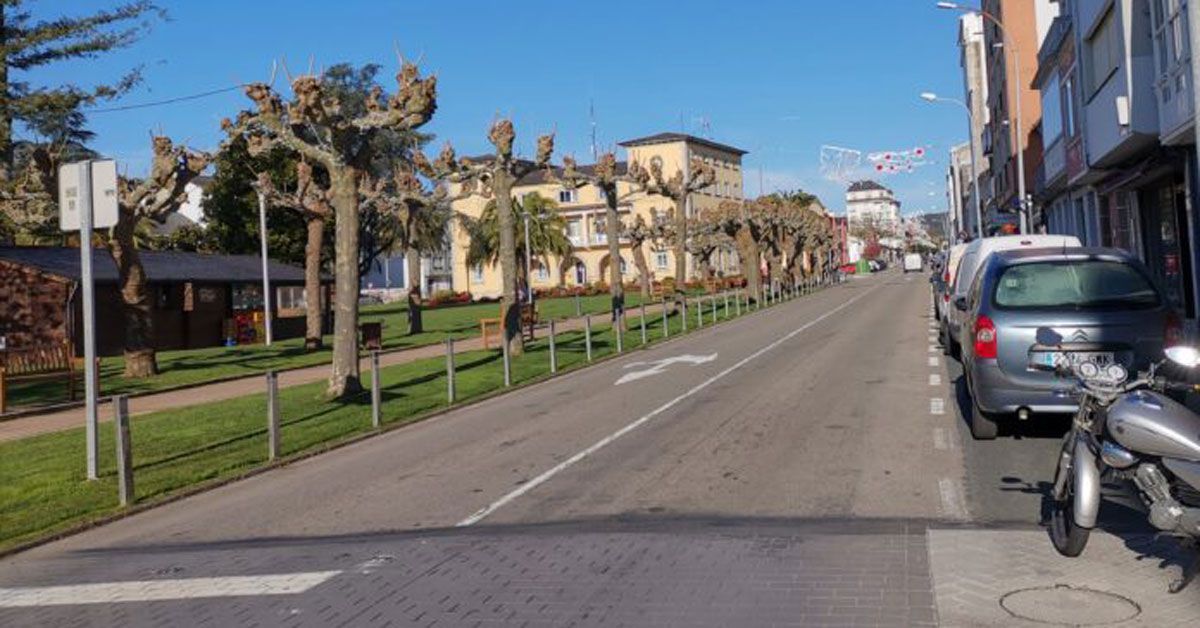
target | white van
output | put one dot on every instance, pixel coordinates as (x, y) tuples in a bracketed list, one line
[(972, 260), (912, 263)]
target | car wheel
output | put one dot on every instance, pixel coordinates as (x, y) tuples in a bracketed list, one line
[(983, 426)]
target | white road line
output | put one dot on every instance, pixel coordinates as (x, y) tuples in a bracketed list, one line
[(600, 444), (952, 504), (937, 405), (159, 590), (940, 441), (935, 379), (933, 361)]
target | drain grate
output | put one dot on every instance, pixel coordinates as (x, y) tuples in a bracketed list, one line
[(1065, 605)]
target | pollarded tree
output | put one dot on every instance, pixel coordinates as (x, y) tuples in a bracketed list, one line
[(311, 201), (317, 127), (638, 232), (494, 178), (740, 221), (421, 219), (152, 198), (652, 181)]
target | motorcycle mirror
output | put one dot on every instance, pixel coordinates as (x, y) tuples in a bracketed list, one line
[(1184, 355)]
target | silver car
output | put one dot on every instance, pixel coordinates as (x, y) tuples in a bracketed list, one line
[(1036, 307)]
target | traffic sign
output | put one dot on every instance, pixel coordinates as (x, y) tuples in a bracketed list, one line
[(103, 194)]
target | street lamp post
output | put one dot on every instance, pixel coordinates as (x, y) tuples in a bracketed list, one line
[(932, 97), (1016, 56)]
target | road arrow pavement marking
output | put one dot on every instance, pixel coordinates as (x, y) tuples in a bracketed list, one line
[(658, 366), (603, 442), (161, 590)]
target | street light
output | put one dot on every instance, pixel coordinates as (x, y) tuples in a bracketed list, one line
[(932, 97), (1016, 56)]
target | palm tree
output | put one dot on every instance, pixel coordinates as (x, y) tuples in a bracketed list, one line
[(547, 231)]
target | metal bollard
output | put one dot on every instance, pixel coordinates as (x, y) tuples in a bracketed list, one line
[(587, 335), (272, 415), (713, 301), (643, 322), (124, 452), (578, 308), (376, 393), (553, 351), (737, 303), (666, 324), (683, 315), (450, 371), (504, 350), (726, 295), (699, 312)]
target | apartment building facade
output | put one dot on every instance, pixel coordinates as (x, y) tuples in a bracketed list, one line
[(1120, 159), (584, 212)]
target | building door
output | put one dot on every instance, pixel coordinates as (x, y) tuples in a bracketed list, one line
[(1164, 215), (580, 273)]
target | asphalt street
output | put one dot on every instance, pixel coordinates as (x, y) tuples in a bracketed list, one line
[(805, 465)]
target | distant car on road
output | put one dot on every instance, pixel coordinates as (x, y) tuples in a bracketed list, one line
[(972, 258), (1029, 309), (942, 296), (913, 263)]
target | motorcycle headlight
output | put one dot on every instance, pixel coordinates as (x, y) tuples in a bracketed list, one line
[(1116, 373)]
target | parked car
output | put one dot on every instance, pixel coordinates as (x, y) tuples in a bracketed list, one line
[(973, 257), (936, 282), (1033, 308), (942, 297), (913, 263)]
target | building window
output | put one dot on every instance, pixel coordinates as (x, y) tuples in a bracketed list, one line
[(660, 260), (290, 300), (568, 196), (477, 273), (1052, 119), (1068, 98), (1171, 45), (1103, 52), (575, 232), (540, 272)]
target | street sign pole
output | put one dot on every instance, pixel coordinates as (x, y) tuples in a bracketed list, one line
[(89, 319), (266, 280)]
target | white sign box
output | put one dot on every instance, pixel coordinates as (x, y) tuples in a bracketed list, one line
[(104, 194)]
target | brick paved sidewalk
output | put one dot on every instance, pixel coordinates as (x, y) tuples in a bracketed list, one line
[(55, 421)]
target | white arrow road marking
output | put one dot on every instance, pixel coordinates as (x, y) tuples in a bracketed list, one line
[(159, 590), (658, 366)]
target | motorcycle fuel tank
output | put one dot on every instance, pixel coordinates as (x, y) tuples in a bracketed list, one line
[(1149, 423)]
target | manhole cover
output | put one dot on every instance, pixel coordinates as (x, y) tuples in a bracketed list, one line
[(1064, 605)]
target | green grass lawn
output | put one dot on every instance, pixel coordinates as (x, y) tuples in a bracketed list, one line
[(196, 366), (42, 479)]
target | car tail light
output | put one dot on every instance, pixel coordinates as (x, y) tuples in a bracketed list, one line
[(1173, 330), (985, 338)]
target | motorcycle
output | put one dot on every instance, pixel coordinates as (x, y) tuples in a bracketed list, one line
[(1133, 431)]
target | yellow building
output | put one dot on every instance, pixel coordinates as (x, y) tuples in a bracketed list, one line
[(584, 211)]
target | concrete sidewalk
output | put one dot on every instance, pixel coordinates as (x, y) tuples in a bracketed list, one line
[(59, 420)]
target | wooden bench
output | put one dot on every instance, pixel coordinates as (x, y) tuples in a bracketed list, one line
[(529, 318), (40, 363)]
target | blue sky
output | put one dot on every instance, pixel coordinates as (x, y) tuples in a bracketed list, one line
[(778, 78)]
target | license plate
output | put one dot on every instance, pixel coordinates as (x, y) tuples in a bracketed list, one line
[(1053, 358)]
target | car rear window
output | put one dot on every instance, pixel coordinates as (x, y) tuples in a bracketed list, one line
[(1074, 285)]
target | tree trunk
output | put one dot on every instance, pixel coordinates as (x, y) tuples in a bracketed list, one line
[(680, 244), (705, 268), (612, 232), (135, 299), (313, 311), (639, 260), (749, 253), (412, 266), (502, 188), (344, 379)]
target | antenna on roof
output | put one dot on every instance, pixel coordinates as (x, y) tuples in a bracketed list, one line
[(592, 118)]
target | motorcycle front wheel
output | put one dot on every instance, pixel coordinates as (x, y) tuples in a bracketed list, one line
[(1067, 536)]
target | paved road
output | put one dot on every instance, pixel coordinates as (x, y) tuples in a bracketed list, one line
[(802, 466)]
